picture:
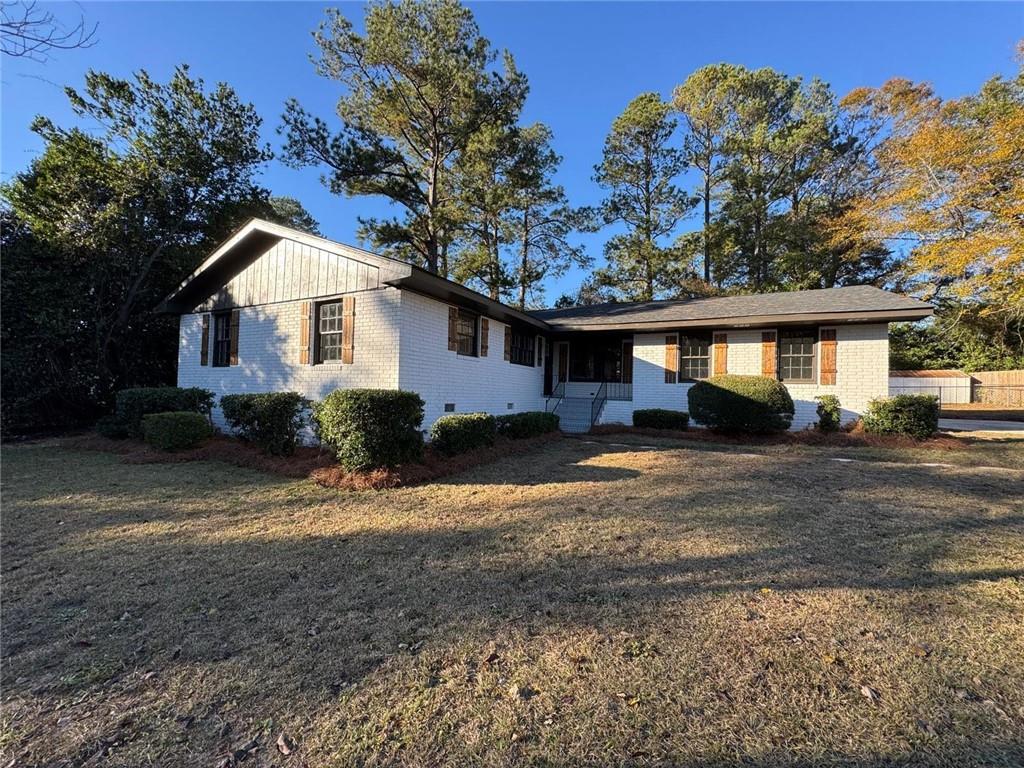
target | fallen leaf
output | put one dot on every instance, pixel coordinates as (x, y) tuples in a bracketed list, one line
[(284, 744), (870, 693), (524, 692)]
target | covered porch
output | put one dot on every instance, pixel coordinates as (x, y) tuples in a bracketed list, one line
[(584, 371)]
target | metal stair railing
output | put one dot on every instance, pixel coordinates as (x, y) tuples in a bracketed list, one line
[(557, 394)]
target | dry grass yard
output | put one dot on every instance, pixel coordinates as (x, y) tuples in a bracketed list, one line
[(585, 604)]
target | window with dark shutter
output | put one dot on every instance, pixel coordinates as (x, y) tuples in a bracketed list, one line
[(328, 331), (222, 339), (694, 357), (466, 333), (796, 355)]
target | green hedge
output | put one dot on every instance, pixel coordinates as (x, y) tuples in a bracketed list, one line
[(660, 418), (175, 430), (112, 427), (463, 432), (913, 415), (732, 403), (829, 413), (269, 420), (132, 404), (371, 428), (519, 426)]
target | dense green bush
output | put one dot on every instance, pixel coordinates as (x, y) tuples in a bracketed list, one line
[(733, 403), (660, 418), (112, 427), (132, 404), (829, 413), (175, 430), (527, 424), (461, 432), (913, 415), (269, 420), (370, 428)]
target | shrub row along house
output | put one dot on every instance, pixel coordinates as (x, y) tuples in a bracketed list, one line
[(277, 309)]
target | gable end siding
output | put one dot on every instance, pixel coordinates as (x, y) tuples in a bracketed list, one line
[(291, 271)]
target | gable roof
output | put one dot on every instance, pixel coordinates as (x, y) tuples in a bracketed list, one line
[(257, 236), (859, 303)]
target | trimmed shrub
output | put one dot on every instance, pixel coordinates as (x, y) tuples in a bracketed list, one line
[(519, 426), (269, 420), (132, 404), (175, 430), (371, 428), (660, 418), (462, 432), (734, 404), (913, 415), (112, 427), (829, 413)]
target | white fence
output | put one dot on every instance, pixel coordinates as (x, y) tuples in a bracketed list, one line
[(947, 389)]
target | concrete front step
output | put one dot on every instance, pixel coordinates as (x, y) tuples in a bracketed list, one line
[(574, 414)]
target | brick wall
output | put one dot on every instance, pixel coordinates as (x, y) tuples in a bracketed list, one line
[(488, 384), (862, 362), (268, 351)]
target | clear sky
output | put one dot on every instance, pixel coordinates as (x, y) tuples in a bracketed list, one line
[(585, 61)]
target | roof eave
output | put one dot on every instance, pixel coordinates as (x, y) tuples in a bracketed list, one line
[(427, 284), (752, 321)]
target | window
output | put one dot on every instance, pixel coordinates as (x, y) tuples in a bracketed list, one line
[(328, 331), (796, 355), (522, 348), (222, 339), (595, 359), (694, 357), (466, 333)]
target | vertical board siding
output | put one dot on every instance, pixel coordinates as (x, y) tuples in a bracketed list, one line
[(291, 271)]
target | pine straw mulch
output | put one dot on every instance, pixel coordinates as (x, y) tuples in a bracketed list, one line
[(318, 464)]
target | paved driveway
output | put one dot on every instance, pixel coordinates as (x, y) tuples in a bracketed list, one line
[(981, 425)]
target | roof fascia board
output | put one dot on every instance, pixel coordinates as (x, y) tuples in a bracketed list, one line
[(873, 316)]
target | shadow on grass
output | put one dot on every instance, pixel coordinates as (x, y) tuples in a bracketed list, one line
[(163, 567)]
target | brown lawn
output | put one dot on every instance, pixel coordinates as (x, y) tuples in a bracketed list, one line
[(581, 605)]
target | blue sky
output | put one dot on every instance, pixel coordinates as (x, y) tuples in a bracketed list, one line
[(585, 61)]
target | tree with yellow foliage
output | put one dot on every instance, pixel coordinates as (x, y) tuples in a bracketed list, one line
[(950, 184)]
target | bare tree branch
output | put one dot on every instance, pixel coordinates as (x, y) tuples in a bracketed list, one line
[(28, 31)]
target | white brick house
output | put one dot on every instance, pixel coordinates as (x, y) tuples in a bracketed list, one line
[(275, 309)]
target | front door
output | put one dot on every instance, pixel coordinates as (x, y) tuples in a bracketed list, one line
[(563, 361)]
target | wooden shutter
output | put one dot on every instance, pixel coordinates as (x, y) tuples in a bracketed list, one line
[(828, 356), (508, 342), (769, 354), (233, 346), (721, 349), (305, 310), (671, 359), (204, 350), (348, 327), (453, 329), (485, 335)]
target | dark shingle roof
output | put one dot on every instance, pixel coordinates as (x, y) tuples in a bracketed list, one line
[(855, 300)]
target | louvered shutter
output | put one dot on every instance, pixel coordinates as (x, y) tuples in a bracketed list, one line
[(769, 354), (204, 350), (453, 329), (233, 344), (671, 359), (508, 342), (305, 310), (721, 349), (485, 335), (828, 356), (348, 328)]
